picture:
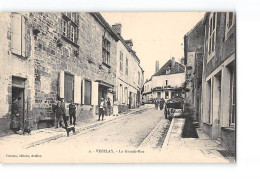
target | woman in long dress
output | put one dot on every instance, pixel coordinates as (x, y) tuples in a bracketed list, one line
[(15, 125)]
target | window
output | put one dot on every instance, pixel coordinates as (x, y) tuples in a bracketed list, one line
[(139, 78), (18, 36), (212, 35), (166, 82), (121, 61), (168, 70), (230, 21), (166, 94), (70, 26), (87, 92), (68, 87), (126, 66), (126, 95), (233, 98), (106, 51)]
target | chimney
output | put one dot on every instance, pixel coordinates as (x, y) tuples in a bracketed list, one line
[(129, 43), (117, 28), (156, 66), (172, 62)]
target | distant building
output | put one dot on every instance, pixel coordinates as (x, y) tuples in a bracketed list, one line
[(193, 58), (219, 78), (166, 83), (129, 74)]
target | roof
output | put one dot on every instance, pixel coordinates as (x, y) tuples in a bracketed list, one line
[(104, 23), (177, 68)]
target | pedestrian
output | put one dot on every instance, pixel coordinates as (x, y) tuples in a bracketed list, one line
[(161, 103), (108, 106), (156, 103), (59, 115), (102, 107), (72, 112), (15, 125), (64, 112)]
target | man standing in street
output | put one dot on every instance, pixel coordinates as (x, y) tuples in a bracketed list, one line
[(72, 112), (59, 115), (102, 106), (64, 111)]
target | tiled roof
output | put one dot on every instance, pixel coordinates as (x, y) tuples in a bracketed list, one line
[(178, 68)]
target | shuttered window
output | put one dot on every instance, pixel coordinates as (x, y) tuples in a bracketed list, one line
[(18, 37), (77, 89), (87, 98), (68, 87)]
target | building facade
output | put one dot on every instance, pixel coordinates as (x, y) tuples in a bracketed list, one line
[(129, 74), (193, 60), (47, 56), (166, 83), (219, 78)]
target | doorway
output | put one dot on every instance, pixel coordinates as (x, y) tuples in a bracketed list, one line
[(18, 93), (18, 86)]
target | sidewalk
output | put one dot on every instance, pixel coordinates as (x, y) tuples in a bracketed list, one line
[(44, 135), (192, 150)]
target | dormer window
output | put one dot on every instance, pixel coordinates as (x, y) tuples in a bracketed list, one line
[(168, 71)]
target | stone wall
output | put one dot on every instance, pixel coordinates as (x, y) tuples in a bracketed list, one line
[(44, 61)]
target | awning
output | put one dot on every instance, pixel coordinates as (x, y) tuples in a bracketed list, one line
[(105, 84)]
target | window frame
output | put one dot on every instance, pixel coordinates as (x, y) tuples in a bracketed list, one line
[(229, 29), (66, 88), (121, 61), (106, 51), (71, 23), (212, 33), (84, 93)]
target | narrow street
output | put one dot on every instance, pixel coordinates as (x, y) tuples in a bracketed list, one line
[(145, 128)]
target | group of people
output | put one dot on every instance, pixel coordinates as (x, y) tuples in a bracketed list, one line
[(159, 103), (60, 113)]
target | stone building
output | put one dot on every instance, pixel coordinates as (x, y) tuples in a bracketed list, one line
[(47, 56), (193, 58), (219, 78), (166, 83), (129, 74)]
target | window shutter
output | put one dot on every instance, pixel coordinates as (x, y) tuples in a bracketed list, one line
[(94, 93), (77, 89), (23, 37), (16, 38), (83, 92), (61, 84)]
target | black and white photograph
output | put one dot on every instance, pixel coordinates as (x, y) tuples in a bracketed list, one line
[(118, 87)]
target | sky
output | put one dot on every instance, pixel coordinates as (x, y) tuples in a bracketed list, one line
[(155, 35)]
